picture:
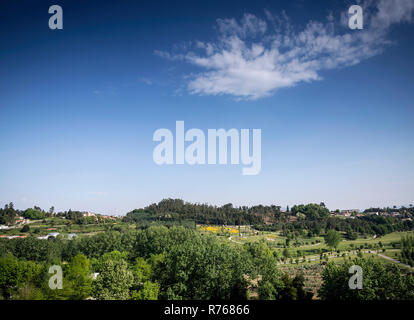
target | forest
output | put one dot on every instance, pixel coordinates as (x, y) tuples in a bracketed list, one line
[(311, 218)]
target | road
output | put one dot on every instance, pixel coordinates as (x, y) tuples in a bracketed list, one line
[(393, 260)]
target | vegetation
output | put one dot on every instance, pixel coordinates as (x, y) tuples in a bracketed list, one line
[(164, 251), (332, 238), (380, 282), (407, 250)]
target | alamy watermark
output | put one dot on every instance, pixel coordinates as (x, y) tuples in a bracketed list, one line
[(355, 281), (356, 20), (56, 20), (56, 280), (218, 141)]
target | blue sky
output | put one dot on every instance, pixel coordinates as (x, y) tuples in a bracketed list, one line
[(79, 106)]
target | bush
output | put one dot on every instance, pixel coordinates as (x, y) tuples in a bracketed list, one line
[(26, 228)]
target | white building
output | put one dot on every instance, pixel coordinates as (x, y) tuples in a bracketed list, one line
[(53, 235)]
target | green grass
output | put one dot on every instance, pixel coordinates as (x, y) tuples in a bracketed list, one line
[(394, 253), (308, 250)]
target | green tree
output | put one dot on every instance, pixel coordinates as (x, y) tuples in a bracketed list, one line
[(26, 228), (380, 282), (149, 291), (142, 270), (332, 238), (35, 214), (8, 215), (203, 268), (407, 250), (114, 281), (78, 277), (312, 211), (299, 283), (15, 274), (286, 253)]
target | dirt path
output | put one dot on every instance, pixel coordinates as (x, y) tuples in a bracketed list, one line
[(230, 238), (393, 260)]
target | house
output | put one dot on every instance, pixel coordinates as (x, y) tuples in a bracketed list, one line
[(53, 235), (50, 235), (88, 214), (349, 212), (109, 217), (22, 220)]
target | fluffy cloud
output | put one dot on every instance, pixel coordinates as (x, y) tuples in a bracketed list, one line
[(255, 57)]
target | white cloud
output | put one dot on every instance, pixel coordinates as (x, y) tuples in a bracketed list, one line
[(253, 58), (250, 26)]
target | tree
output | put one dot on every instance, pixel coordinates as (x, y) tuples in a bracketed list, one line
[(299, 283), (350, 234), (312, 211), (407, 250), (9, 275), (332, 238), (286, 253), (142, 270), (149, 291), (204, 268), (35, 214), (26, 228), (8, 215), (113, 281), (78, 277), (15, 274), (380, 282), (267, 290)]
